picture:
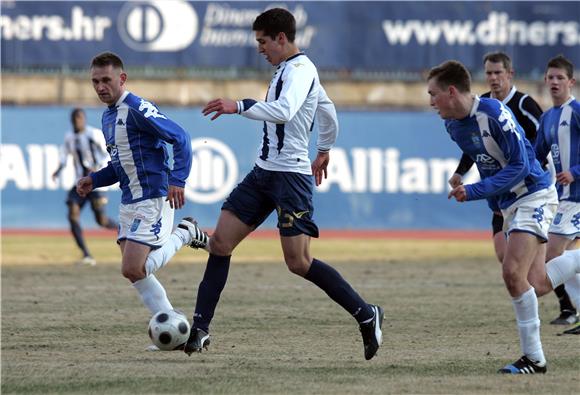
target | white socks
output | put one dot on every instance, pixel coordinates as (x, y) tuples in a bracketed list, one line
[(563, 267), (526, 309), (150, 289), (159, 257), (153, 294), (573, 289)]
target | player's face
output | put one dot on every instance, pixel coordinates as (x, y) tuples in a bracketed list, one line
[(272, 49), (79, 121), (559, 84), (440, 99), (498, 78), (109, 83)]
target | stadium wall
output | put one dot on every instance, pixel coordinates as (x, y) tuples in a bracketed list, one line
[(389, 170)]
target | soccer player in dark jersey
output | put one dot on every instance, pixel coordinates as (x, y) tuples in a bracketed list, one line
[(499, 73)]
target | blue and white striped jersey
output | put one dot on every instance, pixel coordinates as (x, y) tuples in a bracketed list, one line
[(294, 98), (136, 133), (87, 148), (505, 158), (559, 133)]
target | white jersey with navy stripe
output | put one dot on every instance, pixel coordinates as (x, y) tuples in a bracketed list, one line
[(295, 97), (87, 148)]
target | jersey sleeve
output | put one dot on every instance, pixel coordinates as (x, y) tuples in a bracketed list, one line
[(298, 80), (541, 146), (98, 140), (464, 165), (513, 147), (532, 112), (327, 122), (104, 177), (64, 152), (575, 128), (160, 125)]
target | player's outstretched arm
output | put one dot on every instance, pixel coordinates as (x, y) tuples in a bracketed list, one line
[(220, 106)]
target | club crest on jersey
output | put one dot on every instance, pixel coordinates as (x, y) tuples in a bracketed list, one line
[(150, 110), (476, 140)]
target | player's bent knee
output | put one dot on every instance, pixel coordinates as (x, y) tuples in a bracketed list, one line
[(133, 273), (219, 246), (298, 266)]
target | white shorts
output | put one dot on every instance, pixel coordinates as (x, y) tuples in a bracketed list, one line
[(532, 214), (148, 222), (567, 220)]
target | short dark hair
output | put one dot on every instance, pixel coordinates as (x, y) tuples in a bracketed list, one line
[(499, 57), (560, 62), (107, 59), (450, 73), (274, 21), (75, 113)]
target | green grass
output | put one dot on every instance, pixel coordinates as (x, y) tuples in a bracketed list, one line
[(449, 324)]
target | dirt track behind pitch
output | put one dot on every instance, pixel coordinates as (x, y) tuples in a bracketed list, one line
[(449, 324)]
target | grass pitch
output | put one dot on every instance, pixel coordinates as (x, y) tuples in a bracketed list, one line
[(449, 324)]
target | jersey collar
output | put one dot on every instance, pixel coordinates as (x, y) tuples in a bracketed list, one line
[(508, 97), (475, 105), (121, 99)]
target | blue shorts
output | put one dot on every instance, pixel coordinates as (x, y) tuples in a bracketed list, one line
[(96, 198), (263, 191)]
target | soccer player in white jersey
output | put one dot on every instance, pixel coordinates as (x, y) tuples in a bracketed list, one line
[(86, 146), (559, 133), (281, 180), (511, 175), (136, 133)]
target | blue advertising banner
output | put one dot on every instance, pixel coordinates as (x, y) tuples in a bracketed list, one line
[(345, 36), (388, 170)]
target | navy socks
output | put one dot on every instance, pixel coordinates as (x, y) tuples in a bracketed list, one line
[(210, 289), (335, 286)]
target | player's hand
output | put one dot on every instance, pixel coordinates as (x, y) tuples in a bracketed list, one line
[(455, 180), (319, 167), (220, 106), (84, 186), (175, 197), (565, 178), (459, 193)]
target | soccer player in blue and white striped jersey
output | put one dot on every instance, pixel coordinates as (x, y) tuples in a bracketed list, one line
[(136, 133), (486, 130), (282, 181), (559, 133)]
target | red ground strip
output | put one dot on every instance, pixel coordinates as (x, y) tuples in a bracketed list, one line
[(273, 233)]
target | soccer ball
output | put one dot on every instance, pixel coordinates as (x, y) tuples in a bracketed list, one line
[(169, 330)]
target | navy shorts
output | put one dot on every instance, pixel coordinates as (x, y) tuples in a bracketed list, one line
[(263, 191), (96, 198)]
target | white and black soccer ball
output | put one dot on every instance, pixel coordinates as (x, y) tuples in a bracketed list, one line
[(169, 330)]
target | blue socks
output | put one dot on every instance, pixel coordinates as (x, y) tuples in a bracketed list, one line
[(335, 286), (210, 289)]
